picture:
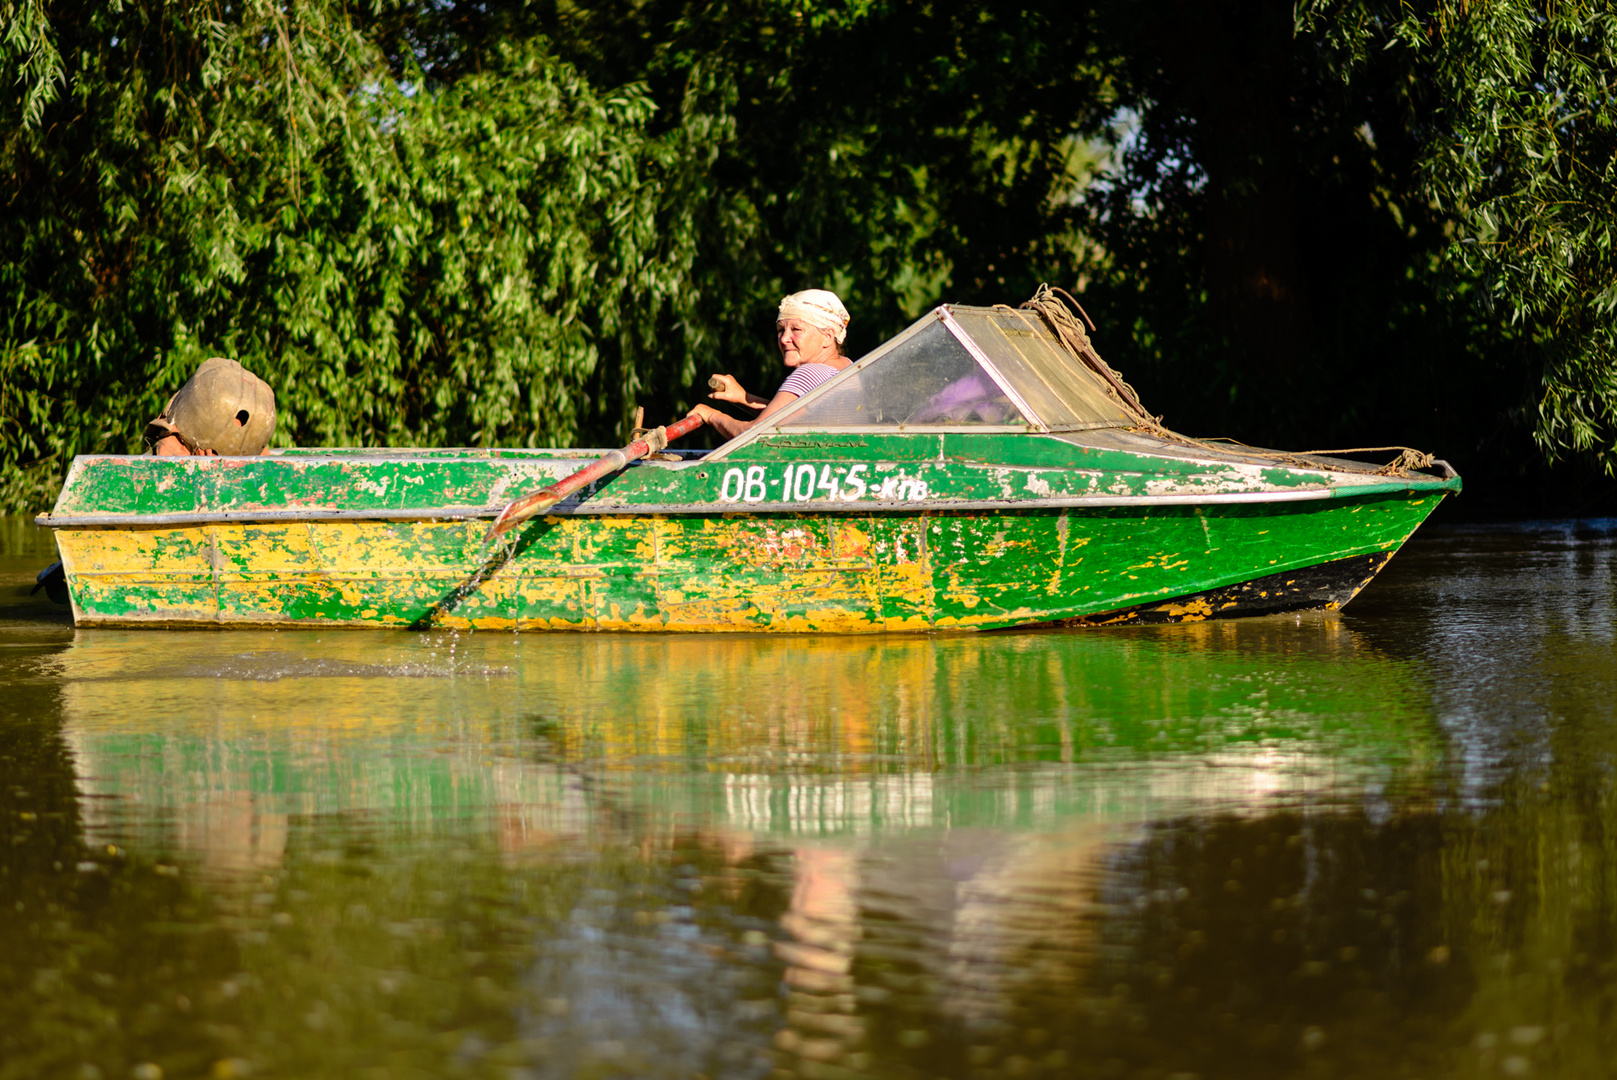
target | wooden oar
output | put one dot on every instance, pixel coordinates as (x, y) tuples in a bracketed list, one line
[(540, 501)]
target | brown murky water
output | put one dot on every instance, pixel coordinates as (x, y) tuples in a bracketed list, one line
[(1380, 844)]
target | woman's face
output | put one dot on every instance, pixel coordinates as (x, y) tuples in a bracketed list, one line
[(801, 343)]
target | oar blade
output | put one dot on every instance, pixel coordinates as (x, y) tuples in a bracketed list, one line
[(517, 512)]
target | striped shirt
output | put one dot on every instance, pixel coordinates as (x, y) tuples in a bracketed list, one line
[(806, 377)]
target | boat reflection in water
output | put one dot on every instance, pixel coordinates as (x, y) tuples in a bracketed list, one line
[(826, 737), (951, 854)]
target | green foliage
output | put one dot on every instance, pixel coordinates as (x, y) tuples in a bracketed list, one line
[(405, 263), (508, 223), (896, 151), (26, 44), (441, 223), (1515, 112)]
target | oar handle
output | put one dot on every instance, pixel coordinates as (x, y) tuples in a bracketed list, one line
[(526, 507)]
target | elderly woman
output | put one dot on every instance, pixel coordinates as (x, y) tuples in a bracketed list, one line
[(810, 329)]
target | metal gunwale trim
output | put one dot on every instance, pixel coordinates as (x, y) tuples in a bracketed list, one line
[(458, 513), (427, 453), (198, 517), (909, 429), (386, 456), (1093, 425), (449, 574)]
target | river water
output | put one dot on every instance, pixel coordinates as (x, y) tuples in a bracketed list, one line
[(1375, 844)]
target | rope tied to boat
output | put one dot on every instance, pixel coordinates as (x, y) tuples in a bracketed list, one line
[(1050, 303), (1408, 460)]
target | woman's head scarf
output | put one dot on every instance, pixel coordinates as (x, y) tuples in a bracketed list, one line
[(818, 308)]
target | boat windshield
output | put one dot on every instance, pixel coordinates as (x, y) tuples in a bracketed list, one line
[(929, 379), (962, 367)]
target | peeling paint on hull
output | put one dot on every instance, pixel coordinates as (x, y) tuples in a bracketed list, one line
[(826, 572), (787, 534)]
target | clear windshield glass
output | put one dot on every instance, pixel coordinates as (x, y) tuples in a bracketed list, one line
[(929, 379)]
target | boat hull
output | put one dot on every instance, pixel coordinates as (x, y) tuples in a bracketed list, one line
[(1325, 587), (837, 572)]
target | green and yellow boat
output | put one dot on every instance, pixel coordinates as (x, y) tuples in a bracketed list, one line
[(984, 469)]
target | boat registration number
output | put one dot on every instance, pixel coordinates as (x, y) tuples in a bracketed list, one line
[(826, 483)]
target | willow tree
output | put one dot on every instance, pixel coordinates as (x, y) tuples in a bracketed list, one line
[(406, 261), (1514, 108)]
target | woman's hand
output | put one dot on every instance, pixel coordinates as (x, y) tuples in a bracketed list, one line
[(723, 423), (731, 390)]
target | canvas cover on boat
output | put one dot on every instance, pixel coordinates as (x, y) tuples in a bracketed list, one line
[(1058, 387), (935, 375)]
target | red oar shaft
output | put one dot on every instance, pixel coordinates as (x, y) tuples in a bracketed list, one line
[(529, 505)]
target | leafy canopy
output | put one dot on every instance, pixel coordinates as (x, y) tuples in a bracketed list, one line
[(507, 223), (406, 263), (1515, 113)]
